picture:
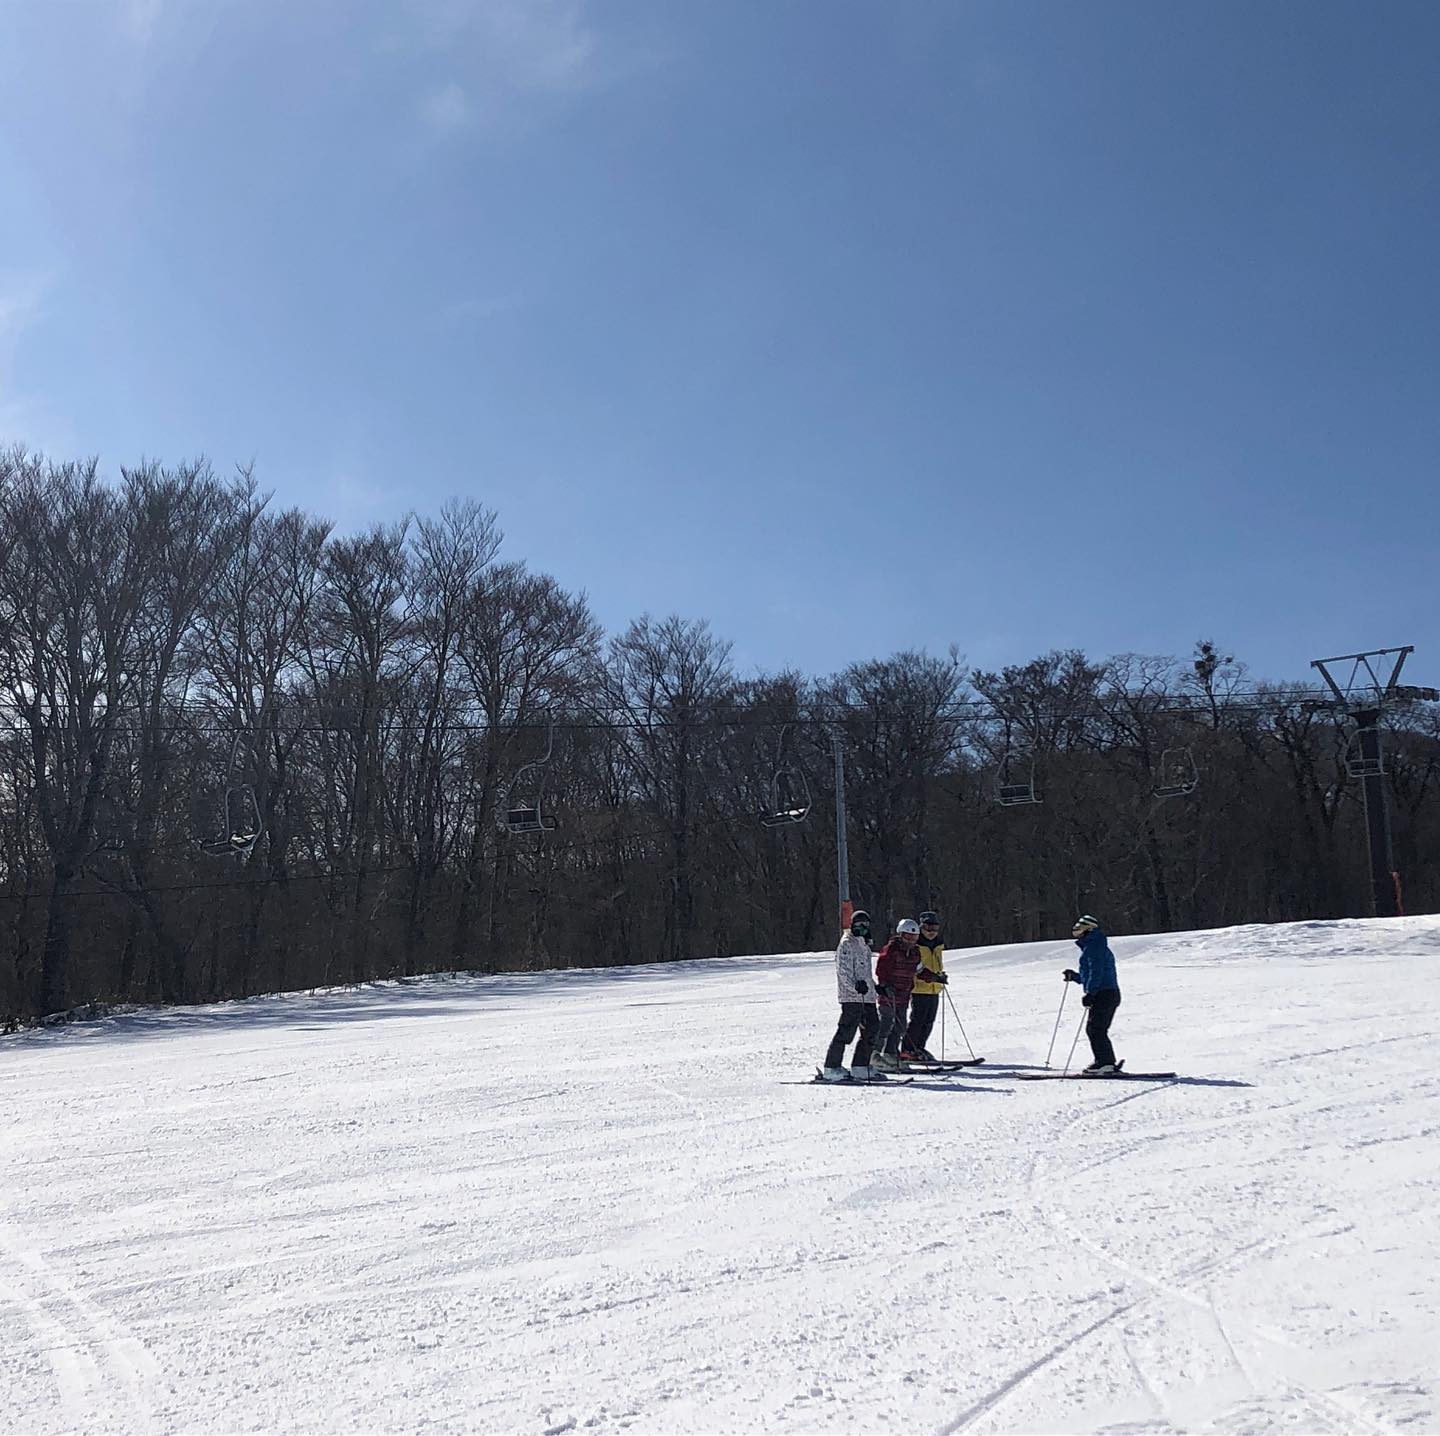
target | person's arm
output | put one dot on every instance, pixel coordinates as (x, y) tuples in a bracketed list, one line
[(883, 963), (860, 967)]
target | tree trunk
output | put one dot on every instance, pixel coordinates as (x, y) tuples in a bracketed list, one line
[(55, 960)]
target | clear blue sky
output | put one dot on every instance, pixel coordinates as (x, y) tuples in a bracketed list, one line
[(848, 327)]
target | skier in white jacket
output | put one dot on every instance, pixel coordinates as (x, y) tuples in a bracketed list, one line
[(855, 987)]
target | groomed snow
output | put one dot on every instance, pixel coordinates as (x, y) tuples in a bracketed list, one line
[(589, 1201)]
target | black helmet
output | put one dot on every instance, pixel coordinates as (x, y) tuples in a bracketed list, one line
[(928, 919)]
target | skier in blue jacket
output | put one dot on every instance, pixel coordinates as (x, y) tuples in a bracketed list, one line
[(1101, 988)]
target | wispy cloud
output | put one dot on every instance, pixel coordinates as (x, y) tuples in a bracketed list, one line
[(145, 38), (503, 58), (542, 46), (139, 19), (531, 44)]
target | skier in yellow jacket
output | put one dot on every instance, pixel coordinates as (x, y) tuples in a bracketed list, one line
[(930, 981)]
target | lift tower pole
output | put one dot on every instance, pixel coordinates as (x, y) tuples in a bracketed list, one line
[(1363, 696), (842, 846)]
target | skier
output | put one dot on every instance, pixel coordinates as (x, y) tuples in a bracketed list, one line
[(929, 984), (1101, 991), (856, 989), (895, 970)]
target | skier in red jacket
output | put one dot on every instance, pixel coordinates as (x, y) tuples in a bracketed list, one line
[(895, 970)]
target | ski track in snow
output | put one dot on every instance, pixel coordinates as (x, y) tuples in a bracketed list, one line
[(376, 1210), (103, 1375), (1319, 1410)]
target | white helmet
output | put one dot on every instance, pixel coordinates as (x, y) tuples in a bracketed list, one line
[(908, 925)]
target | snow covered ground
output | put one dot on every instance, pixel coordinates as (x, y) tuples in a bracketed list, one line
[(590, 1201)]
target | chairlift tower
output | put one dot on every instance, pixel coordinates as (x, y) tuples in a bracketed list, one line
[(1362, 696), (842, 846)]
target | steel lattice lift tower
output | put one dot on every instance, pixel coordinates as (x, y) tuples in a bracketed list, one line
[(1362, 696)]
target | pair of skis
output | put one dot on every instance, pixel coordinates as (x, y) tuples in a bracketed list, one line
[(886, 1081), (911, 1069), (940, 1068), (1083, 1076)]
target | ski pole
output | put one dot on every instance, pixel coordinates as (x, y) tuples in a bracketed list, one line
[(942, 1034), (958, 1022), (1064, 993), (1079, 1028)]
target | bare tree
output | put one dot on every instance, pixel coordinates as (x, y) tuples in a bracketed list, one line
[(353, 653), (449, 558), (184, 523), (670, 683), (76, 583), (247, 645), (898, 717), (527, 651)]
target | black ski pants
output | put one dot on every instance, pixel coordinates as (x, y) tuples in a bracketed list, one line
[(892, 1026), (1097, 1025), (855, 1017), (924, 1006)]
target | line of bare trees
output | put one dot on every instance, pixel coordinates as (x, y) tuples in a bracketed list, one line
[(171, 640)]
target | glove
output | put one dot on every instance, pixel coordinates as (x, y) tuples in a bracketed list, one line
[(862, 988), (940, 977), (1085, 1001), (881, 990), (1070, 975)]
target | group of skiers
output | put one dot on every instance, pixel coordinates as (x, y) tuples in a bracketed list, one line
[(893, 1008)]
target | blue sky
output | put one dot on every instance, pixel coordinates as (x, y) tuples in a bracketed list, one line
[(848, 327)]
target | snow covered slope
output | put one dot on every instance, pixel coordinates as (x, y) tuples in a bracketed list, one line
[(588, 1201)]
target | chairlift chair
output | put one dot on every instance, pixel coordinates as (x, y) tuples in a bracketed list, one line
[(526, 813), (1178, 776), (241, 825), (789, 791), (1357, 765), (790, 799), (1015, 783), (529, 819)]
